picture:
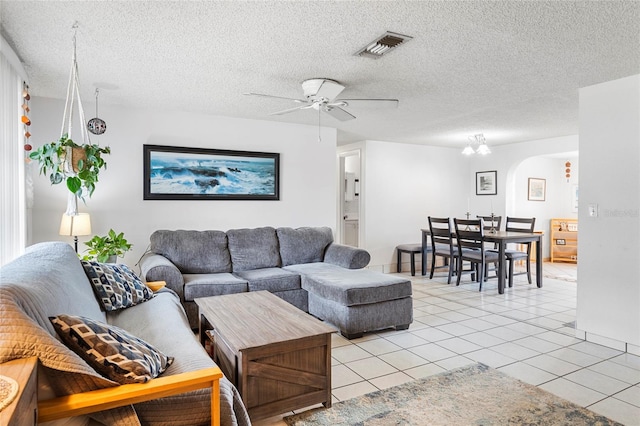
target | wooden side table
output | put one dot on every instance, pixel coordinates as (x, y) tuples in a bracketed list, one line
[(23, 411)]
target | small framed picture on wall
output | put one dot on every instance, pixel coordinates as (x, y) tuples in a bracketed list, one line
[(487, 183), (537, 189)]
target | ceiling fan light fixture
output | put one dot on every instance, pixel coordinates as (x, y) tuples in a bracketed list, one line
[(382, 45)]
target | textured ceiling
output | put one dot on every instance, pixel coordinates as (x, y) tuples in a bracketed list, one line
[(508, 69)]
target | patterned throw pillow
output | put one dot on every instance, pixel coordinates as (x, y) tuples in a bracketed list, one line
[(110, 350), (116, 286)]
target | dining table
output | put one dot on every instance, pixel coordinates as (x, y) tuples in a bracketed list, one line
[(501, 239)]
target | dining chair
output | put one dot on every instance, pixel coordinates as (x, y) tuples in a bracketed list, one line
[(442, 245), (470, 238), (519, 224), (497, 222)]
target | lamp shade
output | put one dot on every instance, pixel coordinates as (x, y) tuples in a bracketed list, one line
[(73, 226)]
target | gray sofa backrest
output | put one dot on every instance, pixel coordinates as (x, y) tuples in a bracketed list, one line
[(49, 280), (193, 252), (303, 245), (253, 248)]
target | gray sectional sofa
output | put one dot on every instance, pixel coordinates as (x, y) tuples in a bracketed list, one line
[(302, 266), (49, 280)]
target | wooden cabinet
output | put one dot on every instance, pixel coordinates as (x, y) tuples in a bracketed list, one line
[(23, 410), (564, 240)]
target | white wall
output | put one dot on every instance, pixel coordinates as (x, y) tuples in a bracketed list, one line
[(558, 197), (307, 174), (608, 309), (402, 185)]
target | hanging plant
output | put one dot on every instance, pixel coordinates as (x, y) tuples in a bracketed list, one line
[(77, 165)]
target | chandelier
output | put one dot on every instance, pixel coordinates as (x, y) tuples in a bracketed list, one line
[(478, 141)]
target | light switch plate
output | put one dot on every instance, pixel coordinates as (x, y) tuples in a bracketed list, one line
[(593, 210)]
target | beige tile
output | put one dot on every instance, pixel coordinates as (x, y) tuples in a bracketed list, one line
[(403, 359), (454, 362), (391, 380), (630, 395), (617, 410), (424, 371), (341, 375), (371, 367), (406, 340), (354, 390), (575, 357), (490, 358), (596, 381), (573, 392), (432, 334), (617, 371), (483, 339), (527, 373), (349, 353), (552, 365), (379, 346)]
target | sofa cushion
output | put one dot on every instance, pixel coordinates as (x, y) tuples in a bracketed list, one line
[(204, 285), (193, 252), (270, 279), (303, 245), (110, 350), (350, 287), (253, 248), (116, 286)]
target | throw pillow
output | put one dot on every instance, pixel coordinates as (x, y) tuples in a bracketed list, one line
[(110, 350), (116, 286)]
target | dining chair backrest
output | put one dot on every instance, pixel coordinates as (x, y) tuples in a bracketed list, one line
[(520, 224), (469, 233), (440, 228), (497, 221)]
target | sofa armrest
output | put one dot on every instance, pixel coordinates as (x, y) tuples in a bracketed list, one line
[(346, 256), (155, 267), (108, 398)]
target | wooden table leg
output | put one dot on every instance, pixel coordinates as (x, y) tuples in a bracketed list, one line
[(424, 253), (501, 267), (539, 262)]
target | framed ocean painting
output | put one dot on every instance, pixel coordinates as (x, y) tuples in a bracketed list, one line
[(180, 173)]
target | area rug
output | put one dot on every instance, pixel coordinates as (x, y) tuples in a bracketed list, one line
[(473, 395)]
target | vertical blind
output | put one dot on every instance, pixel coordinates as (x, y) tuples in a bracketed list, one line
[(12, 164)]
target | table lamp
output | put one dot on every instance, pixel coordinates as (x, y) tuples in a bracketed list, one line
[(73, 226)]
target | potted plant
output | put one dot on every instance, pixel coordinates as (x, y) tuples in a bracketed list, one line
[(107, 248), (79, 172)]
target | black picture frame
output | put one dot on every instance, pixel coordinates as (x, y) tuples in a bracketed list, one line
[(487, 183), (183, 173)]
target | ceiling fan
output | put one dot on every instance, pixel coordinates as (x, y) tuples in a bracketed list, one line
[(321, 94)]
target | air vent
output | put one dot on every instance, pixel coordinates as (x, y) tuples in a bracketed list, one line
[(382, 45)]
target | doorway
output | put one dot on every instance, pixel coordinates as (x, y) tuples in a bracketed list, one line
[(350, 196)]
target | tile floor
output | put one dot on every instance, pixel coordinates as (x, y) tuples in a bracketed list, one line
[(526, 333)]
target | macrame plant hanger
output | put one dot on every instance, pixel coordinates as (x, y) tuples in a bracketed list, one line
[(73, 94)]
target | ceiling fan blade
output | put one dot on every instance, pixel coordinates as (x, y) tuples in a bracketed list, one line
[(329, 89), (286, 111), (276, 97), (338, 113), (370, 102)]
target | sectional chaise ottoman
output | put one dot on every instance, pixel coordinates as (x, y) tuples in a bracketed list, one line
[(302, 266)]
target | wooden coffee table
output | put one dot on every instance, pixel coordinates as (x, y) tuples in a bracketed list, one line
[(277, 356)]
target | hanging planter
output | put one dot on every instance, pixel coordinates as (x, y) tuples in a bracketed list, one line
[(79, 170), (63, 160)]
